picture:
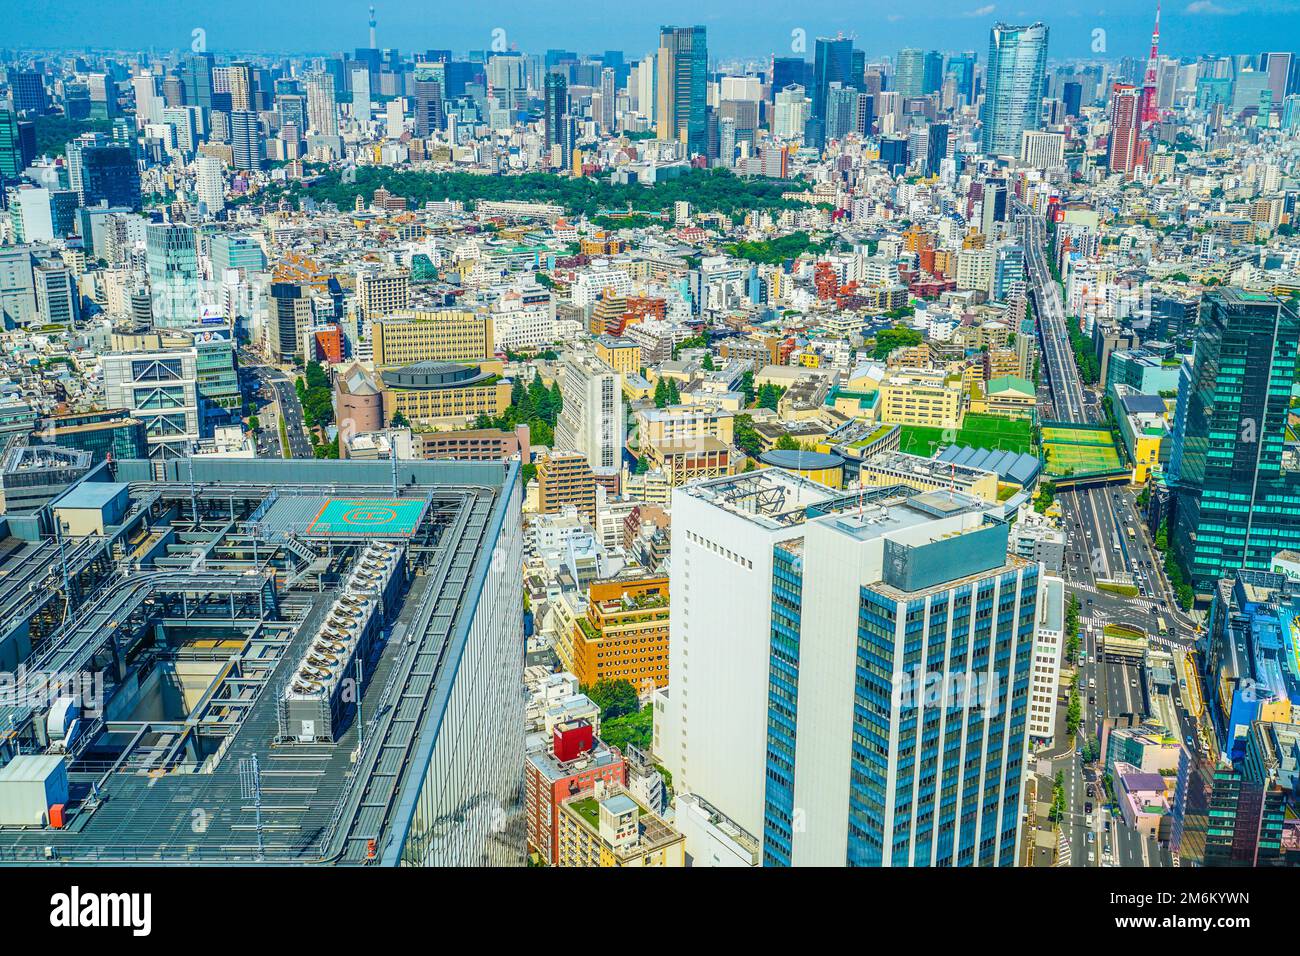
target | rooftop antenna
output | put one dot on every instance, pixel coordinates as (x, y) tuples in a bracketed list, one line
[(250, 788), (392, 457)]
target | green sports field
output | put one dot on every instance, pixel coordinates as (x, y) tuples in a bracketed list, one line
[(1072, 450), (977, 431)]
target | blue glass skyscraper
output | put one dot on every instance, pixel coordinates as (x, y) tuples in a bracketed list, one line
[(1013, 86)]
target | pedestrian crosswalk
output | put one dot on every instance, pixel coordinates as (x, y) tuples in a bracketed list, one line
[(1062, 849)]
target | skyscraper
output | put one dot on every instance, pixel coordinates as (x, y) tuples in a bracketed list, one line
[(322, 111), (1126, 144), (1013, 86), (803, 624), (909, 72), (430, 80), (936, 147), (198, 80), (210, 185), (109, 175), (555, 105), (172, 261), (245, 140), (682, 66), (932, 72), (1235, 506), (832, 63)]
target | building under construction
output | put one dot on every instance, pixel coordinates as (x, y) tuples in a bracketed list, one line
[(239, 661)]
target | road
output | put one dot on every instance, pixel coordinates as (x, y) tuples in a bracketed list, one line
[(287, 401), (1106, 542)]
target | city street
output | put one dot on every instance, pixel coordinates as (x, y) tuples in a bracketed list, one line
[(286, 400), (1106, 542)]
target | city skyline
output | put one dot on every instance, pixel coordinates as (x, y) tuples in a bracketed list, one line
[(766, 27)]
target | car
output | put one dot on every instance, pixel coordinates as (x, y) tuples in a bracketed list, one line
[(1133, 682), (1087, 808), (1092, 837)]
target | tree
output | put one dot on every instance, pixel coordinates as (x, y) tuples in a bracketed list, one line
[(399, 421), (769, 397), (661, 393), (708, 362), (615, 698), (254, 424), (747, 386), (788, 443), (899, 336), (674, 395)]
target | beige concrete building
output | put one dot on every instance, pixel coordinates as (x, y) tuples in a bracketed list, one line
[(447, 335), (919, 396)]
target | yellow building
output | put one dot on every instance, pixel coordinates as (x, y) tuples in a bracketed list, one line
[(624, 635), (615, 830), (428, 391), (566, 479), (448, 335), (822, 467), (925, 474), (918, 396), (622, 355)]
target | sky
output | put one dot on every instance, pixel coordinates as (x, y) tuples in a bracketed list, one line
[(736, 28)]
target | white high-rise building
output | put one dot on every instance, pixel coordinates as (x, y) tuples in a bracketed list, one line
[(210, 183), (791, 114), (148, 103), (322, 109), (850, 674), (1048, 651), (592, 421)]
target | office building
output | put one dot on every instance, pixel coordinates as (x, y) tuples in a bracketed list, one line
[(210, 186), (447, 335), (1235, 505), (555, 106), (682, 64), (909, 73), (833, 62), (322, 108), (613, 830), (572, 763), (159, 388), (172, 260), (785, 588), (1013, 87)]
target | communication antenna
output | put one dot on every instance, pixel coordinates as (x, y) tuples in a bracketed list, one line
[(250, 788), (392, 457)]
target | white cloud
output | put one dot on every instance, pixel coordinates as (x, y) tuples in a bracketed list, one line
[(1204, 6), (983, 11)]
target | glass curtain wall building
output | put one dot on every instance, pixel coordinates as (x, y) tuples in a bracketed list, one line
[(1236, 505), (1013, 86)]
